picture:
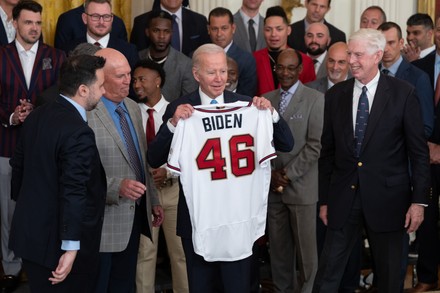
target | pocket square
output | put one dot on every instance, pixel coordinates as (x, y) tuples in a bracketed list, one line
[(296, 116), (47, 63)]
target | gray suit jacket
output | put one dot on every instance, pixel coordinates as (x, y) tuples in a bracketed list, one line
[(119, 211), (179, 80), (321, 85), (241, 37), (304, 115), (322, 71)]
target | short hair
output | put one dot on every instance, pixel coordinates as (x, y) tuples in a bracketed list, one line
[(389, 25), (296, 52), (87, 2), (221, 11), (159, 14), (329, 1), (375, 39), (376, 7), (149, 64), (78, 70), (276, 11), (205, 49), (26, 5), (85, 49), (420, 19)]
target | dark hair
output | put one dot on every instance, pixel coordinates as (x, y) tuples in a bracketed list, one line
[(78, 70), (329, 1), (276, 11), (159, 14), (85, 49), (389, 25), (221, 11), (382, 13), (420, 19), (147, 63), (26, 5), (87, 2)]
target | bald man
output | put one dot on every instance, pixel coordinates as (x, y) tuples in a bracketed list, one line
[(131, 195), (317, 40)]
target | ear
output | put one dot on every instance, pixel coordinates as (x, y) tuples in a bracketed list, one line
[(289, 30), (84, 17), (195, 74), (83, 91), (401, 43), (233, 28)]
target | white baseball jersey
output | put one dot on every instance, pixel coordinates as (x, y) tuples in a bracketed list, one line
[(222, 156)]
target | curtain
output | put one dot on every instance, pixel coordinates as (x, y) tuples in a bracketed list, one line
[(52, 9)]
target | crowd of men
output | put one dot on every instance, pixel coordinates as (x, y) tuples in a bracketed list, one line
[(332, 140)]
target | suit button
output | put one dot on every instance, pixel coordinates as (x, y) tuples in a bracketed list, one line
[(131, 207), (359, 164), (353, 187)]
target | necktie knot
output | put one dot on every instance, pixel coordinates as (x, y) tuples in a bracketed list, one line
[(385, 71), (214, 101), (97, 44), (119, 111)]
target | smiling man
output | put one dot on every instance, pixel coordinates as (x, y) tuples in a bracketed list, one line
[(317, 39)]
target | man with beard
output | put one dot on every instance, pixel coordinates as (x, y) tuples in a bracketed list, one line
[(59, 185), (317, 39), (98, 19), (276, 31), (177, 66)]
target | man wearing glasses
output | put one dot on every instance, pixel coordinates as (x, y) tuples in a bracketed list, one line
[(98, 19)]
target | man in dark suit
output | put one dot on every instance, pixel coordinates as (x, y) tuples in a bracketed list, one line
[(427, 237), (21, 80), (70, 26), (192, 27), (316, 11), (98, 19), (203, 275), (59, 185), (373, 129), (177, 66), (221, 29), (7, 33)]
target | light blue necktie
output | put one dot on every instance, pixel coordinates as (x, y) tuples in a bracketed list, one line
[(213, 101), (283, 102)]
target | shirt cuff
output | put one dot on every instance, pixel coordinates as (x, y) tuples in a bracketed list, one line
[(421, 204), (70, 245), (275, 116), (171, 127), (10, 119)]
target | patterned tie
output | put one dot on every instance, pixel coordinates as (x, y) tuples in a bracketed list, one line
[(283, 103), (175, 37), (361, 120), (252, 35), (131, 148), (214, 101), (151, 133), (437, 91)]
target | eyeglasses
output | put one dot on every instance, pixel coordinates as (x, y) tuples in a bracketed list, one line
[(97, 17), (281, 68)]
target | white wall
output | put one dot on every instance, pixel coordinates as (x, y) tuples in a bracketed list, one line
[(344, 14)]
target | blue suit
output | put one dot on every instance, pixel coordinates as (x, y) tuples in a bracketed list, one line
[(70, 26), (247, 83), (3, 37)]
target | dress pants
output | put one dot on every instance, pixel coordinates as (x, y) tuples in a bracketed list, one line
[(292, 238), (38, 279), (147, 255), (117, 270), (11, 264), (217, 276), (386, 248)]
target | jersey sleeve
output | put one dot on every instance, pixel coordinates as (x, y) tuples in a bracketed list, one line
[(265, 147), (173, 164)]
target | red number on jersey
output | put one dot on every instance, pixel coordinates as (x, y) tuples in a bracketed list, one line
[(242, 161)]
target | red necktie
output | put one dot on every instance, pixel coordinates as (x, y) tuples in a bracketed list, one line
[(151, 133), (437, 91)]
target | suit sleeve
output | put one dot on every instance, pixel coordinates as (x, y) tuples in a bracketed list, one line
[(282, 136), (424, 94), (17, 162), (247, 83), (309, 155)]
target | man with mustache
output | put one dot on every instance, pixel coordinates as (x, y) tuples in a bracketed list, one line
[(317, 39)]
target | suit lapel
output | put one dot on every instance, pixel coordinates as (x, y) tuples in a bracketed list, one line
[(294, 103), (40, 61), (134, 115), (13, 58), (346, 116), (381, 98)]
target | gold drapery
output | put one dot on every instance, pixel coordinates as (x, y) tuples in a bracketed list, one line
[(53, 8), (427, 6)]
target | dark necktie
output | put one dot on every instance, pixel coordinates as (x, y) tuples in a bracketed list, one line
[(361, 120), (385, 71), (151, 133), (131, 148), (97, 44), (252, 35), (175, 37)]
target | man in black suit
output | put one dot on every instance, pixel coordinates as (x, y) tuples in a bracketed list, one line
[(373, 129), (59, 185), (7, 33), (71, 27), (316, 11), (98, 19), (203, 276), (192, 27)]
